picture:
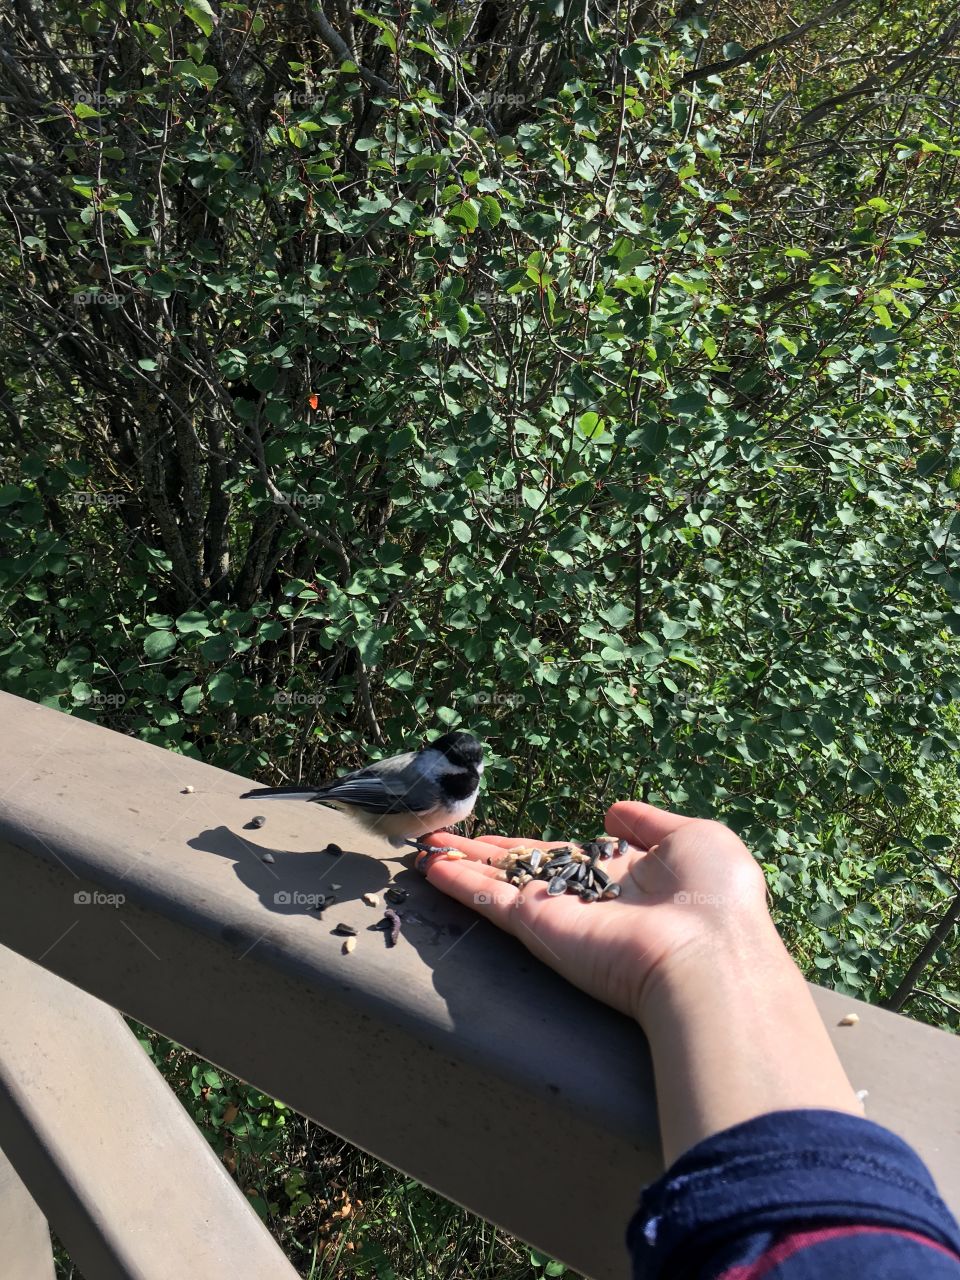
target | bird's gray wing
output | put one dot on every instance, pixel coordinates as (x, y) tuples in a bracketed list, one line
[(393, 786)]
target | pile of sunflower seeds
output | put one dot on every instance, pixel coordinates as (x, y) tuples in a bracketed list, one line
[(568, 870)]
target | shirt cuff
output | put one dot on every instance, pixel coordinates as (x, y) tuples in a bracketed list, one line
[(777, 1171)]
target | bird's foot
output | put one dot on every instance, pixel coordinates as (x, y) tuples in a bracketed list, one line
[(421, 847)]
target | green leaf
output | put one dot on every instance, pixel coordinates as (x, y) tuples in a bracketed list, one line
[(191, 699), (159, 644), (467, 212), (222, 687), (461, 531), (200, 13), (194, 622)]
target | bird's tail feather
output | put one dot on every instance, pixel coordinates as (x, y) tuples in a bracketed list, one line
[(279, 793)]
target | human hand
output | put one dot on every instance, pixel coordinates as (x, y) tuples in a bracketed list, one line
[(688, 885)]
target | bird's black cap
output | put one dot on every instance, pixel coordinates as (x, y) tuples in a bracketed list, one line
[(461, 749)]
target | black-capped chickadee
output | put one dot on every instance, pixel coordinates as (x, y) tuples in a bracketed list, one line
[(404, 796)]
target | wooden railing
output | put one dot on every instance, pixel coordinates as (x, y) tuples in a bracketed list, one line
[(127, 877)]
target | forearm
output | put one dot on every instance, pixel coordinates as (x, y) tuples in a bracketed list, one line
[(734, 1034)]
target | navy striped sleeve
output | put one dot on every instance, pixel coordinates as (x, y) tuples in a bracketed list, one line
[(795, 1195)]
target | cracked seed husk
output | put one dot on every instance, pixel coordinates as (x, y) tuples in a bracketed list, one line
[(348, 945), (345, 930)]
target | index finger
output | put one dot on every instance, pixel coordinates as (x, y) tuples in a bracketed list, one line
[(485, 846)]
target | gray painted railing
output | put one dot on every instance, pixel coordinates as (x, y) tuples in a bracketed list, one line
[(454, 1056)]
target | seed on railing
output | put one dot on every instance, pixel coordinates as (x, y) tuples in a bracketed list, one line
[(348, 945), (371, 900), (267, 857), (345, 930), (187, 791), (396, 895), (392, 920), (257, 822), (334, 849)]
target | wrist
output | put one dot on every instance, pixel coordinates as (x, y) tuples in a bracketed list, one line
[(734, 1034)]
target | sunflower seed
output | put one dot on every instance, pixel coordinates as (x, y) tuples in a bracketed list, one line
[(600, 877), (561, 861), (392, 922), (371, 900), (397, 895), (589, 895), (581, 872), (348, 945), (257, 822), (572, 872), (557, 886), (535, 859), (606, 848), (334, 849), (267, 857), (187, 791), (611, 891), (622, 846), (345, 930)]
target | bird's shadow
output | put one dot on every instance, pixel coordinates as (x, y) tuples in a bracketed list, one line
[(293, 883), (317, 883)]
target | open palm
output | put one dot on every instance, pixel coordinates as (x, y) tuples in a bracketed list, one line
[(684, 882)]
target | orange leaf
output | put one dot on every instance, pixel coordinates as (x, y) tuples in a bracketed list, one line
[(314, 401)]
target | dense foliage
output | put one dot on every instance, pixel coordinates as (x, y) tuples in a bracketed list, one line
[(582, 374)]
